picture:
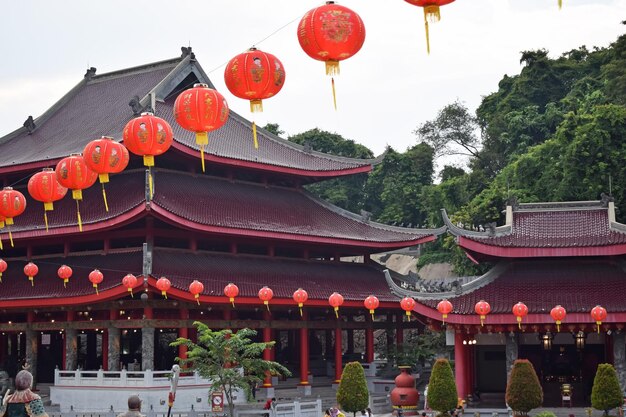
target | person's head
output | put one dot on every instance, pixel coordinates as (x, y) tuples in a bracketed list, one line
[(273, 399), (362, 412), (327, 411), (423, 413), (23, 380), (134, 403)]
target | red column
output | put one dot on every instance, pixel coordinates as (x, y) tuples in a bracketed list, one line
[(460, 365), (105, 350), (267, 353), (183, 332), (369, 345), (148, 313), (304, 353), (338, 365)]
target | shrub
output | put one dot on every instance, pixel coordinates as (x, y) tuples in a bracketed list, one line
[(442, 393), (352, 394), (606, 392), (523, 391), (546, 414)]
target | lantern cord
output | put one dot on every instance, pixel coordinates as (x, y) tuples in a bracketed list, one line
[(104, 196), (268, 307), (427, 35), (256, 141), (560, 4), (337, 312), (1, 247), (45, 220), (11, 238), (32, 281), (97, 293), (198, 300), (80, 221), (150, 185), (202, 157), (332, 82), (64, 284), (300, 311)]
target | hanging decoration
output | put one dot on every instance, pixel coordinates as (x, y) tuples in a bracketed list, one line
[(335, 300), (431, 13), (3, 268), (407, 304), (105, 156), (371, 303), (73, 173), (201, 110), (2, 223), (30, 270), (163, 284), (558, 313), (64, 272), (445, 308), (231, 291), (598, 313), (265, 295), (254, 75), (148, 136), (300, 296), (12, 204), (520, 311), (331, 33), (196, 288), (129, 281), (96, 277), (482, 308), (44, 187)]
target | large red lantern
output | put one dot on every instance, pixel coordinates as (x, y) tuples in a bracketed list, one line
[(335, 300), (201, 110), (12, 204), (598, 313), (129, 281), (265, 295), (231, 291), (3, 268), (254, 75), (407, 304), (482, 308), (331, 33), (64, 272), (73, 173), (300, 296), (105, 156), (520, 311), (445, 308), (163, 284), (371, 303), (558, 313), (196, 288), (148, 136), (431, 12), (96, 277), (44, 187), (30, 270)]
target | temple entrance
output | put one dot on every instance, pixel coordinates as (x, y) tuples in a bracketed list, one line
[(491, 360), (164, 354), (89, 349), (130, 355), (49, 356)]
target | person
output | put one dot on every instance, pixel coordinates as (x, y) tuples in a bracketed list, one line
[(23, 402), (134, 407), (335, 412), (369, 412), (270, 404), (327, 412)]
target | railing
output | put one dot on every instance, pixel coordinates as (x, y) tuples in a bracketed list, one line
[(294, 409), (122, 378)]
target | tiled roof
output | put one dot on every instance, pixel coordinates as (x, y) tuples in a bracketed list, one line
[(284, 276), (578, 285)]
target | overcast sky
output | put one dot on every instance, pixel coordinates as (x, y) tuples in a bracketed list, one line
[(383, 92)]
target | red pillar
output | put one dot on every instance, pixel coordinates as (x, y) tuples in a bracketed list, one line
[(338, 365), (105, 350), (267, 353), (460, 365), (304, 353), (369, 345), (148, 313), (183, 332)]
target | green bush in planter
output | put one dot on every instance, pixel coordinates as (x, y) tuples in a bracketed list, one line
[(442, 393), (523, 391), (352, 394), (606, 393)]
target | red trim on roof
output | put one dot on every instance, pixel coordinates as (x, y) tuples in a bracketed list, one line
[(31, 166)]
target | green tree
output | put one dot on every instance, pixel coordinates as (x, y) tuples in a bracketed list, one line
[(231, 360), (442, 393), (352, 394), (523, 390), (606, 393), (417, 349), (274, 128)]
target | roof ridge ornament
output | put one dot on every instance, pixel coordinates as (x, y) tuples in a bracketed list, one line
[(90, 73), (606, 199), (186, 51), (513, 202), (29, 124)]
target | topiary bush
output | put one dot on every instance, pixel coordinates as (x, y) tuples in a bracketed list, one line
[(352, 394), (606, 393), (523, 390), (546, 414), (442, 393)]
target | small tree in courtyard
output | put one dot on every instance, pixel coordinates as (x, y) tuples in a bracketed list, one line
[(230, 360), (352, 394), (606, 393), (442, 393), (523, 391)]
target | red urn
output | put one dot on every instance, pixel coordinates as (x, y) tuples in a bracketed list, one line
[(404, 396)]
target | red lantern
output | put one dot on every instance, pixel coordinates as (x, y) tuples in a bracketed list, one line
[(196, 288), (407, 304), (231, 291), (266, 294), (12, 204), (129, 281), (371, 303), (201, 109), (73, 173), (482, 308), (95, 277), (163, 284), (300, 296), (331, 33), (520, 311), (431, 12), (335, 300), (445, 308), (558, 313), (105, 156), (3, 267), (30, 270), (64, 272), (254, 75), (598, 313), (44, 187)]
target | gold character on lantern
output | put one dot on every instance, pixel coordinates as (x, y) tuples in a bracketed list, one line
[(208, 103), (279, 74), (142, 134), (257, 71), (336, 27), (114, 158)]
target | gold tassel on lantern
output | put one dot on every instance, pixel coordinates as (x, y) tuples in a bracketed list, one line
[(431, 13), (332, 69), (78, 195), (560, 4), (267, 304), (202, 139), (148, 160), (256, 106), (104, 178)]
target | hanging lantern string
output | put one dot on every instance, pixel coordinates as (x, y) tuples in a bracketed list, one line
[(80, 221), (104, 196), (10, 235)]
